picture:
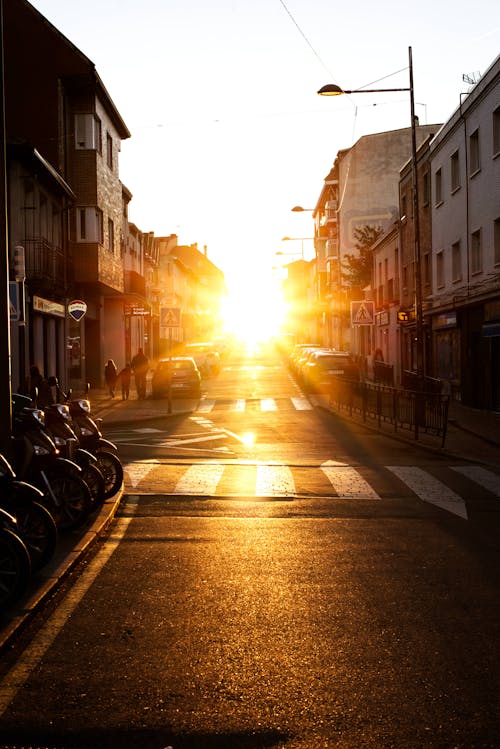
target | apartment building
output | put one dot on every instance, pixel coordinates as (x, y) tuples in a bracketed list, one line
[(56, 103), (465, 304)]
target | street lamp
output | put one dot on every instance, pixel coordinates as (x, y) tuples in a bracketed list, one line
[(334, 90), (299, 209)]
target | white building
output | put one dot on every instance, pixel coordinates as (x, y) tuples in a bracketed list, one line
[(465, 179)]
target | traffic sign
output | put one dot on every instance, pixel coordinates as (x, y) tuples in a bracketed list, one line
[(170, 317), (362, 313), (14, 307)]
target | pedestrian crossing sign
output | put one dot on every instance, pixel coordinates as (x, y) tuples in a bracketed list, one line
[(362, 313), (170, 317)]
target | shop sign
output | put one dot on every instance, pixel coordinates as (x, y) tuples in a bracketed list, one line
[(48, 307), (132, 310), (445, 320), (77, 309)]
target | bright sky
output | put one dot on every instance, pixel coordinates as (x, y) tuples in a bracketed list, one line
[(228, 132)]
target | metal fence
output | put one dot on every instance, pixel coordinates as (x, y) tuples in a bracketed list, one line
[(416, 410)]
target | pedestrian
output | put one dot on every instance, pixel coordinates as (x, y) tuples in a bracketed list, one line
[(38, 388), (140, 366), (125, 376), (110, 375)]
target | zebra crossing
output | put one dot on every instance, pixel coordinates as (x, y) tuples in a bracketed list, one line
[(241, 405), (340, 481)]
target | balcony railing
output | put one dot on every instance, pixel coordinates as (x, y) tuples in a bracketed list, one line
[(44, 262)]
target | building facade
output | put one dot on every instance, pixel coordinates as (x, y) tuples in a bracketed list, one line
[(465, 313)]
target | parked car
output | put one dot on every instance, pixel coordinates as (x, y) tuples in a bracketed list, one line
[(206, 357), (325, 368), (178, 372)]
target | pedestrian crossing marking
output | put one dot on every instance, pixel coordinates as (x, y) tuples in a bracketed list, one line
[(430, 489), (302, 404), (268, 404), (200, 479), (347, 481), (274, 481), (267, 479), (238, 405), (487, 479)]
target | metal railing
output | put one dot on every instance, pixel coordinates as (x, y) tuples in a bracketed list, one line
[(413, 410)]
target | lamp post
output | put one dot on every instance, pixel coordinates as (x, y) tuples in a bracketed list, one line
[(334, 90), (299, 209)]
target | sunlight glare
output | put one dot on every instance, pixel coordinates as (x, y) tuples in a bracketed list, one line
[(254, 309)]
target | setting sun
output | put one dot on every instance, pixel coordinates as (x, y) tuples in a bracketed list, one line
[(254, 309)]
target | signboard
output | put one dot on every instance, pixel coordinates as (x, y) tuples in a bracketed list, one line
[(362, 313), (48, 307), (77, 309), (170, 317), (133, 310), (14, 308)]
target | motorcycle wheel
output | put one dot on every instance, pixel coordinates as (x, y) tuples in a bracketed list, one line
[(74, 500), (15, 567), (112, 470), (38, 531), (96, 484)]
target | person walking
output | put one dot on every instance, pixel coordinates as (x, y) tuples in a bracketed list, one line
[(125, 376), (140, 366), (111, 375)]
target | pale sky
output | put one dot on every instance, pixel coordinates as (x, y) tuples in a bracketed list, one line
[(228, 132)]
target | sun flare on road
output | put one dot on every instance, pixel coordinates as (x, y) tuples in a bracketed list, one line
[(254, 309)]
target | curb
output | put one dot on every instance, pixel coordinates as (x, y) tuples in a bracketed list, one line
[(49, 578)]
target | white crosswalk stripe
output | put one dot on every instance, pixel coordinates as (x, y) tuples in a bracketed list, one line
[(207, 405), (273, 481), (347, 481), (200, 479), (481, 476), (430, 489)]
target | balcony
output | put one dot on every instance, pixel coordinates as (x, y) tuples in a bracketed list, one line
[(44, 264)]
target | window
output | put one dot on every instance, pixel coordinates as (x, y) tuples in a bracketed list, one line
[(476, 252), (89, 225), (88, 132), (440, 269), (426, 189), (427, 268), (109, 150), (111, 236), (496, 241), (474, 156), (455, 171), (403, 208), (438, 186), (456, 262), (496, 131)]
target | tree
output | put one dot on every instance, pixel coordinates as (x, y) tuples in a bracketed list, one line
[(358, 267)]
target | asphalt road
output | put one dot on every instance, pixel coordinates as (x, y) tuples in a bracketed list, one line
[(317, 586)]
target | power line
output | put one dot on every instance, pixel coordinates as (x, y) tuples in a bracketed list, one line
[(305, 38)]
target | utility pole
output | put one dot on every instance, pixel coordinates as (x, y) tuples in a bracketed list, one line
[(5, 362)]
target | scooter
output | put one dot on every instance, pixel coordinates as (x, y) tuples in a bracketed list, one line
[(60, 427), (37, 461), (35, 524), (90, 437)]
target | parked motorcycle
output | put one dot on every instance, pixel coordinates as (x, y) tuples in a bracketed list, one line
[(90, 437), (15, 564), (60, 427), (35, 524), (37, 461)]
